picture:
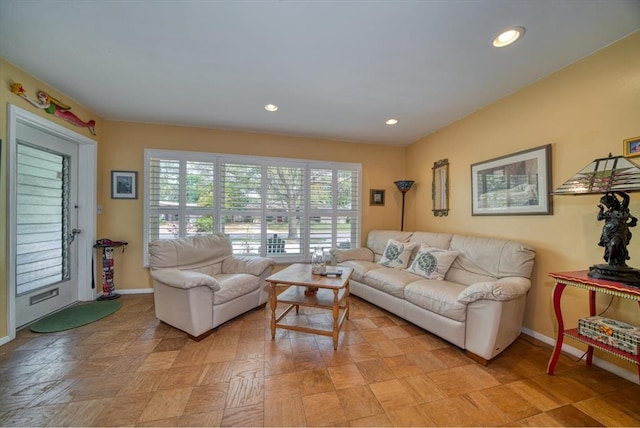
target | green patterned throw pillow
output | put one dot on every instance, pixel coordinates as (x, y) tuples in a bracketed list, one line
[(397, 254), (432, 263)]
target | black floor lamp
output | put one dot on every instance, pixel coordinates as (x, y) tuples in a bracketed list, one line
[(403, 186)]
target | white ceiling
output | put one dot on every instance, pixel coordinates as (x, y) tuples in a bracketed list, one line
[(337, 69)]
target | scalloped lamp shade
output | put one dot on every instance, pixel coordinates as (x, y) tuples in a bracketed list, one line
[(403, 186)]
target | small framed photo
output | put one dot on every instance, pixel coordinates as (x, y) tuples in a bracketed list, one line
[(377, 197), (631, 147), (124, 185)]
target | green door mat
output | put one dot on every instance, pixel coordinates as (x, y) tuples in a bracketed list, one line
[(75, 316)]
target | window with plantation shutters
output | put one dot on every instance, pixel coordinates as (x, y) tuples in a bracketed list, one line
[(163, 198), (180, 201), (280, 208), (285, 209), (241, 206)]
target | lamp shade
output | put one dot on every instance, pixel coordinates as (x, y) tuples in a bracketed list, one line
[(611, 174), (404, 185)]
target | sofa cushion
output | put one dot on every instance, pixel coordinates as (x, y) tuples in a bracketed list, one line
[(432, 263), (440, 297), (189, 253), (436, 240), (397, 254), (360, 268), (211, 269), (377, 240), (352, 254), (488, 259), (391, 281), (233, 286), (247, 264)]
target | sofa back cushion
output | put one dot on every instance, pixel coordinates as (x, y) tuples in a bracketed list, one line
[(434, 240), (377, 240), (200, 253), (488, 259)]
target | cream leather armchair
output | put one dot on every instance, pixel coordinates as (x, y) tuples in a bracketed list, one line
[(199, 284)]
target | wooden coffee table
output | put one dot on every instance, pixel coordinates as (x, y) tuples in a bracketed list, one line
[(314, 291)]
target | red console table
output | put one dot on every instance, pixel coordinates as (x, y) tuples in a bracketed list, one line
[(580, 279)]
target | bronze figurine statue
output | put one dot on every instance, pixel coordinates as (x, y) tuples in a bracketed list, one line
[(615, 238)]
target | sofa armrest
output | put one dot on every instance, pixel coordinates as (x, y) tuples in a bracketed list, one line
[(185, 279), (503, 289), (340, 256), (251, 265)]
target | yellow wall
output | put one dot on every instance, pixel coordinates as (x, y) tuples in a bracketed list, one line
[(124, 150), (584, 111), (11, 74)]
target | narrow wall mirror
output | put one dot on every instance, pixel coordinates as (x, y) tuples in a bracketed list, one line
[(440, 188)]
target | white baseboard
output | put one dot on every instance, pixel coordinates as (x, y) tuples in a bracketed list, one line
[(136, 291), (130, 291), (5, 339), (603, 364)]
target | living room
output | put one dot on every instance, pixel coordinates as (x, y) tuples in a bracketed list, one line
[(585, 111)]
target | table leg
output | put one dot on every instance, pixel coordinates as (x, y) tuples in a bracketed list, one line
[(346, 296), (336, 312), (274, 303), (557, 294), (592, 312)]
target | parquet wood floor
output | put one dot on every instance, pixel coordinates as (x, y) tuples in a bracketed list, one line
[(131, 370)]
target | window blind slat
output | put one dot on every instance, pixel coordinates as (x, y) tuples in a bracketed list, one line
[(40, 204)]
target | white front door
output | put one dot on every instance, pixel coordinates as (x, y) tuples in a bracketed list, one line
[(46, 263), (52, 194)]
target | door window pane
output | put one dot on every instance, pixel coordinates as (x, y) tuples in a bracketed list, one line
[(42, 219)]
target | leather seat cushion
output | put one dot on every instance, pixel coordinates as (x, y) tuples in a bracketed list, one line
[(436, 296), (389, 280), (234, 285)]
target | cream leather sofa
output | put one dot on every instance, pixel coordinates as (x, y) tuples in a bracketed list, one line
[(478, 306), (199, 284)]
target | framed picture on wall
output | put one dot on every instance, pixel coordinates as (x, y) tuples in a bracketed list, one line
[(376, 197), (124, 185), (519, 183), (631, 147)]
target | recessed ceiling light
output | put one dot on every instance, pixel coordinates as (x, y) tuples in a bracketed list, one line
[(271, 107), (508, 37), (392, 121)]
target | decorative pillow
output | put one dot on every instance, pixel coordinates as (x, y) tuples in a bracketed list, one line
[(397, 254), (432, 263)]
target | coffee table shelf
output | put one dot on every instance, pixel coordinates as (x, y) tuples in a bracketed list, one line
[(314, 291), (322, 299)]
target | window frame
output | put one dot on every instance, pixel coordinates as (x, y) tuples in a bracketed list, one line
[(217, 160)]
